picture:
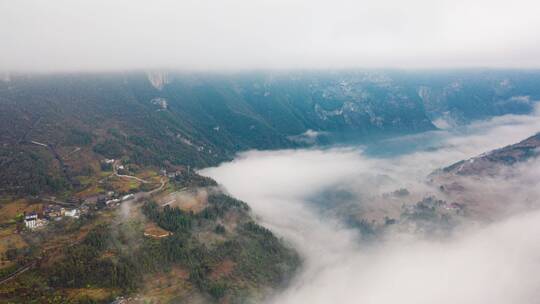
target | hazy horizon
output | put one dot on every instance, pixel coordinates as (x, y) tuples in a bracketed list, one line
[(71, 36), (270, 151)]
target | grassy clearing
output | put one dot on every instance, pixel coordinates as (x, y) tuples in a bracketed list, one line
[(124, 185), (149, 175), (10, 210), (90, 191), (95, 294)]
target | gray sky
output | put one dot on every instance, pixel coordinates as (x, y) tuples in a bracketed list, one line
[(245, 34)]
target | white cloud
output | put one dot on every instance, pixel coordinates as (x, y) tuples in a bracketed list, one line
[(240, 34), (495, 263)]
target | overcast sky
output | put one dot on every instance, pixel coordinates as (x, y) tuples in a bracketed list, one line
[(246, 34)]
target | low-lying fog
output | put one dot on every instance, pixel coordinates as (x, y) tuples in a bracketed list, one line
[(492, 260)]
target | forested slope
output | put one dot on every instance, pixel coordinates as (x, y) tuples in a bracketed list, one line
[(201, 119)]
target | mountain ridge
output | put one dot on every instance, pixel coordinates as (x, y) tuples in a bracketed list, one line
[(486, 163), (196, 119)]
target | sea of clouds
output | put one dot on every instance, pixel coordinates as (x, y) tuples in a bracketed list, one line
[(493, 261)]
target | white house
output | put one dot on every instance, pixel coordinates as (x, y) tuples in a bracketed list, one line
[(30, 220), (111, 202), (75, 213), (128, 197)]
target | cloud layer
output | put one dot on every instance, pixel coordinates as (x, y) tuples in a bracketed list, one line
[(239, 34), (480, 263)]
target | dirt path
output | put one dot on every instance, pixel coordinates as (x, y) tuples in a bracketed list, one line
[(18, 272), (115, 172), (46, 253)]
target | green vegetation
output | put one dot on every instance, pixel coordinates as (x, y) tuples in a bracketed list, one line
[(29, 171), (77, 137), (57, 129), (117, 256), (211, 117), (109, 148), (192, 179)]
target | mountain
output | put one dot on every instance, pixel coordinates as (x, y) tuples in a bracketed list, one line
[(185, 241), (486, 187), (489, 163), (117, 150), (492, 184), (157, 118)]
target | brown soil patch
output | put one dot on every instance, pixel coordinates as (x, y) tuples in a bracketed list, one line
[(97, 294), (10, 239), (9, 211), (188, 201), (164, 287), (124, 184), (153, 230), (193, 206), (223, 269)]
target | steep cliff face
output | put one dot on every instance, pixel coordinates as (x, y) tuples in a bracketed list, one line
[(158, 79)]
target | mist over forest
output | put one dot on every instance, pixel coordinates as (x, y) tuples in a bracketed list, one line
[(270, 186), (309, 196), (269, 151)]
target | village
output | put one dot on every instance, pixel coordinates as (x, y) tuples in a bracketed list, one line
[(54, 212), (53, 222), (52, 209)]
